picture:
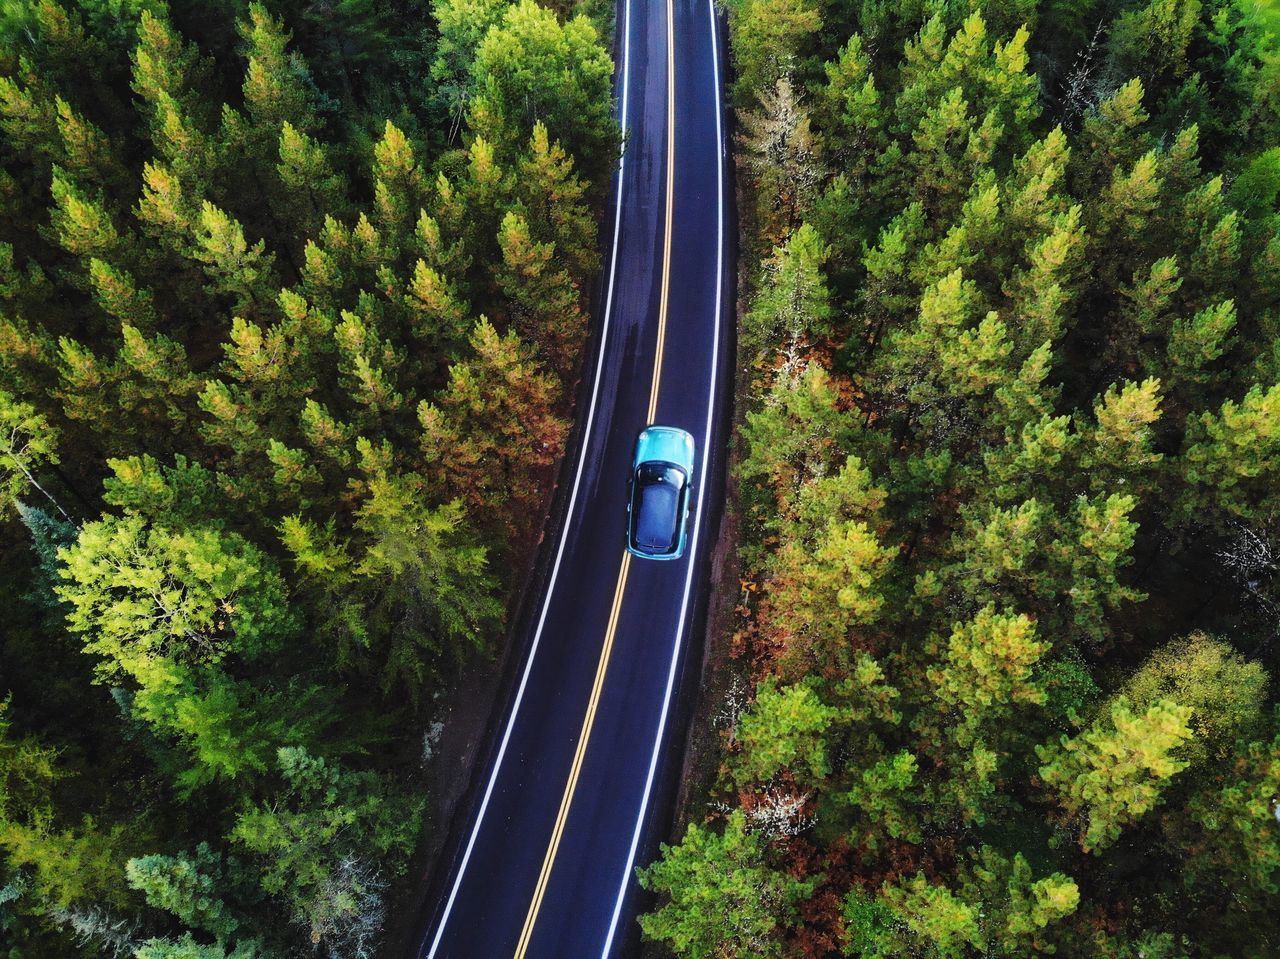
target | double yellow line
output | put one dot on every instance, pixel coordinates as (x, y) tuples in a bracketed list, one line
[(579, 755), (671, 192)]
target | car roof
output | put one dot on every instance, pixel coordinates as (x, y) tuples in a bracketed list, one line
[(656, 516)]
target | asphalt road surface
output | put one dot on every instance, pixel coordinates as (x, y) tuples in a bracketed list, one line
[(577, 783)]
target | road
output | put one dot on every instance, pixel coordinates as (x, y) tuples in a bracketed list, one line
[(576, 786)]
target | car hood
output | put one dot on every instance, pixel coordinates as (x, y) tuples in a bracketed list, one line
[(667, 444)]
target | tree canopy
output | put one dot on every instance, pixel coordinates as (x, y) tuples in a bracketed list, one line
[(292, 298), (999, 674)]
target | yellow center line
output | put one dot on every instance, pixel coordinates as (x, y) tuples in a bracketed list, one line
[(580, 752), (526, 933), (666, 243)]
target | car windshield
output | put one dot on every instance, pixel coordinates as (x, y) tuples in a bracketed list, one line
[(658, 488)]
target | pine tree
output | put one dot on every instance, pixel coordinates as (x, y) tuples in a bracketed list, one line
[(794, 303), (399, 183), (235, 269), (1231, 457), (722, 897), (118, 294), (1120, 447), (436, 313), (320, 823), (187, 885), (141, 396), (543, 299), (886, 798), (998, 908), (167, 208), (369, 366), (279, 98), (853, 111), (462, 25), (986, 671), (170, 78), (28, 120), (769, 37), (187, 947), (87, 154), (1115, 770), (494, 431), (1166, 25), (555, 203), (429, 589), (819, 594), (785, 729), (934, 916), (531, 67), (1231, 835), (781, 153), (276, 81), (798, 431), (313, 188), (28, 445), (81, 223), (471, 207)]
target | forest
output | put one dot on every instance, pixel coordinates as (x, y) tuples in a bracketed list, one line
[(1007, 489), (293, 296)]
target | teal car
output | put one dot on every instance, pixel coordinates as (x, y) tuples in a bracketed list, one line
[(661, 484)]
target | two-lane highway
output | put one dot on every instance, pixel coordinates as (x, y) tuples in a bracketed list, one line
[(568, 801)]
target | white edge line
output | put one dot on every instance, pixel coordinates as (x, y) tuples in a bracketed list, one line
[(573, 499), (702, 488)]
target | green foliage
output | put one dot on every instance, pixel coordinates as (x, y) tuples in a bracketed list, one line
[(1009, 337), (1232, 454), (499, 410), (1225, 691), (943, 924), (784, 729), (185, 885), (27, 445), (793, 304), (48, 535), (720, 895), (1116, 769), (1233, 830), (145, 595), (246, 252), (769, 37), (316, 840), (531, 68), (885, 796), (432, 588), (188, 948), (987, 670)]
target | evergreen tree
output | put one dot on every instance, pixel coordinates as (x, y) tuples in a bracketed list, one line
[(530, 67), (431, 592), (723, 897), (494, 430), (28, 445), (1230, 455), (785, 729), (311, 840), (1116, 769), (544, 300), (186, 885)]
